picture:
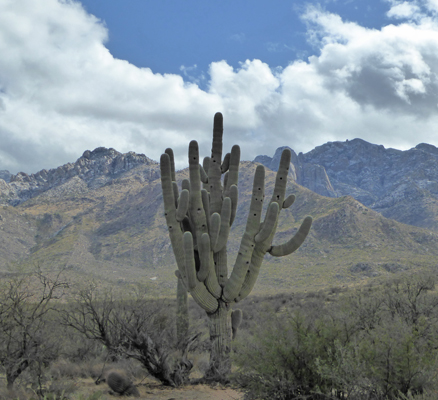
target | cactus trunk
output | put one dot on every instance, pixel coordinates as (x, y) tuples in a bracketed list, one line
[(220, 339), (199, 219)]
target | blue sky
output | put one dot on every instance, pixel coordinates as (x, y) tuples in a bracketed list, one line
[(184, 37), (143, 75)]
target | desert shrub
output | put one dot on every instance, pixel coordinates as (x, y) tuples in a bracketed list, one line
[(28, 340), (375, 343)]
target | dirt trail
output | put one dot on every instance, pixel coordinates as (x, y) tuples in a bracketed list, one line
[(155, 391), (191, 392)]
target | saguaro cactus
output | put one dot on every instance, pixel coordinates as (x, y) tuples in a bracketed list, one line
[(199, 218)]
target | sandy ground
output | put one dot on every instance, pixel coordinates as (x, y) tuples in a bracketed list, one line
[(194, 392), (154, 390)]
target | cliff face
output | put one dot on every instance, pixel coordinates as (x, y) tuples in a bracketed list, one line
[(309, 175), (402, 185), (94, 169)]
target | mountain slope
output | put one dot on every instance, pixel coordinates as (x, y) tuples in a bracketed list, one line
[(111, 228)]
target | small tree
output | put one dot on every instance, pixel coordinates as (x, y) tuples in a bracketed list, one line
[(25, 304), (92, 313), (135, 327), (199, 221)]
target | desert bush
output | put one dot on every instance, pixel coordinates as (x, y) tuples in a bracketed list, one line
[(27, 320), (373, 343), (135, 327)]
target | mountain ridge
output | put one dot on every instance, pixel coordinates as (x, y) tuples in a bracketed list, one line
[(389, 181), (109, 227)]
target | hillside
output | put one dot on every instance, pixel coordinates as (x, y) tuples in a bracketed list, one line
[(109, 226), (401, 185)]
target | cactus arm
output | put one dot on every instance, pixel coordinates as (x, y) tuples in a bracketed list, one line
[(204, 255), (225, 163), (183, 205), (233, 173), (281, 178), (226, 180), (204, 298), (221, 266), (206, 272), (295, 242), (169, 152), (206, 164), (175, 192), (214, 169), (197, 212), (189, 260), (289, 201), (215, 225), (185, 184), (241, 266), (263, 246), (173, 226), (204, 176), (206, 205), (197, 289), (225, 225), (269, 223), (211, 282), (234, 196)]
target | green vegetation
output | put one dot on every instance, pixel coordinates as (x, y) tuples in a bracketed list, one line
[(371, 343), (375, 342)]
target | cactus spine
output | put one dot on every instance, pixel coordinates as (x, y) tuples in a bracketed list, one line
[(199, 219)]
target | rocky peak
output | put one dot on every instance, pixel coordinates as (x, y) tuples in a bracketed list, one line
[(402, 185), (312, 176), (94, 169)]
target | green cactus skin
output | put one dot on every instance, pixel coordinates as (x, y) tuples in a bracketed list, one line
[(199, 221)]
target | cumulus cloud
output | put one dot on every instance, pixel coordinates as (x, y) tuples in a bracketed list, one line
[(62, 92)]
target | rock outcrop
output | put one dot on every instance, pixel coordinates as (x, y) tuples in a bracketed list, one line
[(309, 175), (94, 169)]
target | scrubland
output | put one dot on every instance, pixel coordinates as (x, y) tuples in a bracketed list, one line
[(375, 341)]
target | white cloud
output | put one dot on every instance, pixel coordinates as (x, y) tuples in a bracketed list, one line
[(403, 9), (62, 92)]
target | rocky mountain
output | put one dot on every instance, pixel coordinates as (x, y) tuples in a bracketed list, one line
[(402, 185), (101, 218), (94, 169)]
